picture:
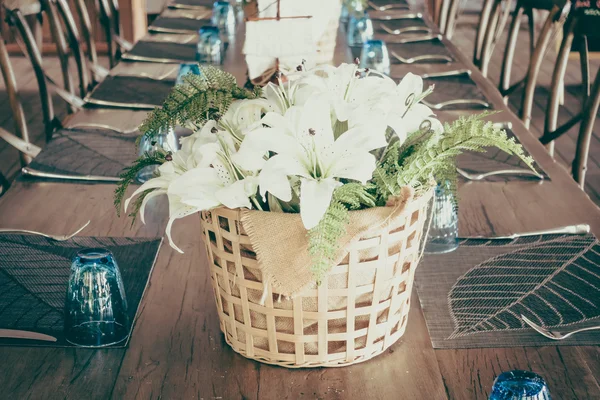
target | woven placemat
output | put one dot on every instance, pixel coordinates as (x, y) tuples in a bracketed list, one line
[(87, 152), (191, 3), (166, 52), (34, 275), (175, 24), (130, 92), (414, 49), (495, 160), (383, 3), (473, 297), (448, 88)]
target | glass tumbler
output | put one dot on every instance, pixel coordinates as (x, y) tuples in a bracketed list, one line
[(360, 29), (519, 385), (210, 46), (165, 140), (375, 56), (95, 307), (443, 227), (223, 17), (185, 69)]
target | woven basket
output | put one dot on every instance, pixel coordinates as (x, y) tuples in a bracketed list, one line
[(359, 310)]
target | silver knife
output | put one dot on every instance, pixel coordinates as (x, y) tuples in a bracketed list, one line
[(51, 175), (579, 229), (17, 334)]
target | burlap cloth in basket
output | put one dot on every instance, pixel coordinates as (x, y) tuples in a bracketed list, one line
[(280, 241)]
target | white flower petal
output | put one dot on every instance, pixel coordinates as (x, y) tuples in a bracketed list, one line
[(358, 166), (315, 197), (177, 211), (236, 195)]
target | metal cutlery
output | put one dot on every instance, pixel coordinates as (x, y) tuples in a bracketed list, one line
[(51, 175), (416, 39), (386, 7), (399, 16), (149, 76), (17, 334), (578, 229), (423, 57), (455, 102), (82, 125), (58, 238), (454, 72), (408, 29), (516, 171), (553, 334)]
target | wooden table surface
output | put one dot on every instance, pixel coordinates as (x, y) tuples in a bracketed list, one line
[(178, 352)]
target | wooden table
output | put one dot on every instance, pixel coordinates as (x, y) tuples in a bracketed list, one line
[(178, 352)]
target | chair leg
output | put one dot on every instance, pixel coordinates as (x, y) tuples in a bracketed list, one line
[(481, 30), (443, 20), (4, 184), (531, 19), (452, 17), (535, 65), (509, 54), (585, 133), (584, 60), (487, 48), (557, 78)]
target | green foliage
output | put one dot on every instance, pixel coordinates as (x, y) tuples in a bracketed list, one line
[(128, 176), (323, 240), (198, 99)]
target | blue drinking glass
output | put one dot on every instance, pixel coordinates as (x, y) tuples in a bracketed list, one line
[(443, 227), (165, 140), (185, 69), (223, 17), (360, 29), (375, 56), (210, 45), (519, 385), (96, 306)]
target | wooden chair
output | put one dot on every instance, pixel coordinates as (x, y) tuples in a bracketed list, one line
[(109, 18), (20, 141), (448, 14), (494, 16), (583, 28), (87, 31)]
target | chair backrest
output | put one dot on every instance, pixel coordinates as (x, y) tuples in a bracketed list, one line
[(21, 140), (109, 19), (25, 37), (88, 33)]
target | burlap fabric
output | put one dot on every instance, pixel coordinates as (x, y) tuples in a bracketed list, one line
[(271, 310)]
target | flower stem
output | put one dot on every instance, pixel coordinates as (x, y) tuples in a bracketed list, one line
[(256, 203)]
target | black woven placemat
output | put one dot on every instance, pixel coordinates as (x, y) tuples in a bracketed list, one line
[(193, 3), (87, 152), (454, 87), (34, 275), (413, 49), (178, 24), (495, 160), (162, 52), (130, 91), (474, 296), (383, 3)]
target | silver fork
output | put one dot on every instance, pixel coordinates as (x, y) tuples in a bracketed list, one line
[(423, 57), (405, 30), (58, 238), (455, 102), (555, 335), (516, 171), (387, 6)]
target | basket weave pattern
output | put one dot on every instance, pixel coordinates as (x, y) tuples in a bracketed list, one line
[(358, 311)]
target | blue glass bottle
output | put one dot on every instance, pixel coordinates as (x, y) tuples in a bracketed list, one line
[(519, 385), (210, 47), (360, 29), (223, 17), (375, 56), (165, 140), (443, 227)]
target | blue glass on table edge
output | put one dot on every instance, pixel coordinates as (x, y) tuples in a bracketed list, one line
[(375, 56), (360, 29), (223, 16), (165, 140), (185, 69), (96, 306), (443, 224), (519, 385), (210, 47)]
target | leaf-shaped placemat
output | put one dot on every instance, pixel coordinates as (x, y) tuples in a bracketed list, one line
[(494, 160), (130, 92), (34, 275), (177, 24), (474, 297)]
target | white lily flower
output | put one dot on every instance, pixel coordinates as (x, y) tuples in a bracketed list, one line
[(305, 145)]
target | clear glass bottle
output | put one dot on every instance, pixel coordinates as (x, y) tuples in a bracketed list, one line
[(360, 29), (443, 227), (166, 140), (519, 385)]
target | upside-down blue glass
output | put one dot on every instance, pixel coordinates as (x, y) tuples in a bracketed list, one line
[(96, 306), (360, 29), (375, 56), (443, 227), (210, 45), (352, 7), (223, 17), (186, 68), (165, 140), (519, 385)]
